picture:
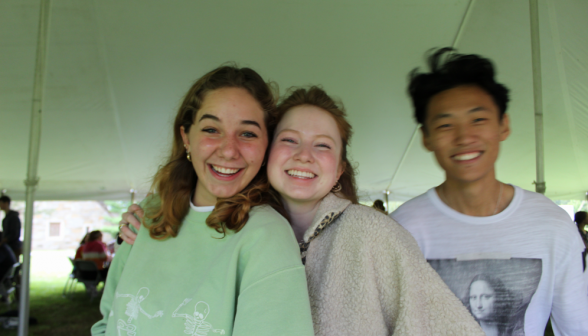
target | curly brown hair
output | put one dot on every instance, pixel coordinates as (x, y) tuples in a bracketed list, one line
[(316, 96), (176, 179)]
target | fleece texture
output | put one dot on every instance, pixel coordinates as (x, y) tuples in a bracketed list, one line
[(367, 276)]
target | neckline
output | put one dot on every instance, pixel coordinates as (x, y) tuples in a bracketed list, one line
[(208, 208), (445, 209)]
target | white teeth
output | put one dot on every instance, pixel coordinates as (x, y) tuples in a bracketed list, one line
[(226, 171), (468, 156), (298, 173)]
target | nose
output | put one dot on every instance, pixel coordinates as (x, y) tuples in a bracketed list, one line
[(303, 154), (464, 135), (229, 149)]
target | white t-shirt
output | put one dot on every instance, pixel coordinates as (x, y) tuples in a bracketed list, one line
[(512, 269)]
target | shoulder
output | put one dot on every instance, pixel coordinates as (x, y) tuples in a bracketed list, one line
[(265, 215), (151, 201), (413, 209), (537, 210), (13, 214), (267, 242), (266, 223), (364, 222), (541, 213), (538, 204)]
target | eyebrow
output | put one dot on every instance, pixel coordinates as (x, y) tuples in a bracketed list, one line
[(447, 115), (208, 116), (320, 135), (215, 118)]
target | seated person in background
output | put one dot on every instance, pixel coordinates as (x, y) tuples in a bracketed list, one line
[(7, 258), (96, 250), (80, 250)]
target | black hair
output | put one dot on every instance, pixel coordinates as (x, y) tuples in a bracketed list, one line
[(379, 204), (579, 217), (5, 199), (449, 70)]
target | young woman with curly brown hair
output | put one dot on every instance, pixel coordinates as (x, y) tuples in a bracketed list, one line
[(213, 258)]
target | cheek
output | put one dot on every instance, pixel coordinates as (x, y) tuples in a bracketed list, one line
[(440, 142), (204, 146), (253, 153), (277, 157), (330, 164)]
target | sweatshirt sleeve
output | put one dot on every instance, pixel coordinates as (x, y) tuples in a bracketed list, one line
[(275, 305), (114, 274), (273, 295), (423, 304)]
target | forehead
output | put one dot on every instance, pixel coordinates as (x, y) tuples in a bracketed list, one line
[(231, 103), (481, 286), (310, 120), (460, 99)]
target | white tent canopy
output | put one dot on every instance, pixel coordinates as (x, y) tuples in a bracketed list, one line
[(117, 70)]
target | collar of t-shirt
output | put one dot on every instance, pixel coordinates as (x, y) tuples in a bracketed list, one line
[(446, 210), (201, 208)]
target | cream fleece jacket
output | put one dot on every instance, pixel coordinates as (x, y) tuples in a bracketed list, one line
[(367, 276)]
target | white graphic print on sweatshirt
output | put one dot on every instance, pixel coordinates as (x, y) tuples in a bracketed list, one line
[(132, 311), (195, 324)]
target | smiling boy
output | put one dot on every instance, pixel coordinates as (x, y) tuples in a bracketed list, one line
[(473, 225)]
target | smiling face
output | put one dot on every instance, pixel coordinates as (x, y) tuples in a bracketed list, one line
[(305, 158), (482, 298), (464, 130), (227, 143)]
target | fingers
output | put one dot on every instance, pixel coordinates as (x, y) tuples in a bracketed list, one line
[(136, 209), (127, 235), (129, 218)]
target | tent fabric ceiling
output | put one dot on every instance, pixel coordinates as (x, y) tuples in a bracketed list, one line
[(117, 70)]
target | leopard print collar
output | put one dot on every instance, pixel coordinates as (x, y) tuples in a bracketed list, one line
[(330, 209), (328, 219)]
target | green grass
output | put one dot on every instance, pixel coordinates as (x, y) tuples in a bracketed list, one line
[(56, 315)]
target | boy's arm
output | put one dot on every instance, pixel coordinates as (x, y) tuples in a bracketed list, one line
[(570, 296)]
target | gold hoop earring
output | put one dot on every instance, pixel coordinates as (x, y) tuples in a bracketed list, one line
[(188, 153), (337, 187)]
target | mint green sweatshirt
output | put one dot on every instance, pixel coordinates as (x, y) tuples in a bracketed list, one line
[(247, 283)]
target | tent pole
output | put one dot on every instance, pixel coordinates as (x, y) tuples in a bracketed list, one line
[(456, 39), (33, 160), (537, 95)]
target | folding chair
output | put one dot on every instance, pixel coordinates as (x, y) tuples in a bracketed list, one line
[(71, 280), (88, 274), (8, 284)]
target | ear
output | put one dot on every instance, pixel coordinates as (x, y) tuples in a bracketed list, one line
[(504, 127), (426, 139), (185, 137), (341, 169)]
